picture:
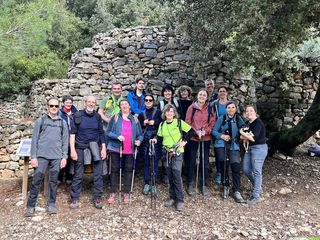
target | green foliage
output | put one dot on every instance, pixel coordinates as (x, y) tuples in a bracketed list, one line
[(109, 14), (255, 32), (36, 38)]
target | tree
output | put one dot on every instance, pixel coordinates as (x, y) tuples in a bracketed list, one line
[(36, 40), (256, 36)]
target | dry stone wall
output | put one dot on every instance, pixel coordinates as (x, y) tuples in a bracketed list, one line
[(161, 57)]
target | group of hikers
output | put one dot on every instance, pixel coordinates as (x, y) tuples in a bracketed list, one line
[(125, 133)]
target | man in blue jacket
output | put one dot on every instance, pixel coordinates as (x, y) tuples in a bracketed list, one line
[(136, 97), (49, 147)]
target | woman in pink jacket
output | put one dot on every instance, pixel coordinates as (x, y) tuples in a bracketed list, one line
[(201, 117)]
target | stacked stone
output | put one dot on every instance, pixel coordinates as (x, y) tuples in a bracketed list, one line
[(11, 134)]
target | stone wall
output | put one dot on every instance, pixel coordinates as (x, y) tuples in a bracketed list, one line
[(161, 57)]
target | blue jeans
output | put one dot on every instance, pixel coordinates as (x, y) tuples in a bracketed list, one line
[(39, 172), (225, 158), (252, 166), (175, 180)]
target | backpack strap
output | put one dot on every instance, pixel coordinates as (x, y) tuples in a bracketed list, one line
[(161, 105), (175, 102)]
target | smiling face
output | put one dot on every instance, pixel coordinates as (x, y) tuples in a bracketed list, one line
[(148, 101), (68, 104), (184, 94), (53, 107), (251, 113), (202, 97), (167, 94), (209, 86), (90, 103), (125, 107), (170, 114), (231, 109), (223, 93)]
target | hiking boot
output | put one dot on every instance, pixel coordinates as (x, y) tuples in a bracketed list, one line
[(190, 189), (111, 198), (52, 209), (146, 189), (238, 198), (253, 201), (74, 204), (154, 190), (179, 206), (217, 178), (204, 191), (29, 212), (97, 203), (225, 192), (169, 203), (126, 198)]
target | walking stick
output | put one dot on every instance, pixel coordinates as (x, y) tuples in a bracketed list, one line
[(120, 162), (133, 171), (198, 163), (153, 177), (225, 188), (202, 156)]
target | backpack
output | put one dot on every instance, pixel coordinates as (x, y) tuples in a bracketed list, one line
[(175, 103), (152, 116), (209, 113), (43, 126)]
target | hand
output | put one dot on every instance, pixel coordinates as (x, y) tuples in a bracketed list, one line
[(34, 162), (225, 137), (63, 163), (182, 143), (153, 140), (199, 133), (137, 143), (151, 122), (146, 122), (74, 155), (103, 153), (121, 138)]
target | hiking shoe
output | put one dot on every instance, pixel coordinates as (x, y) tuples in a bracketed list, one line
[(179, 206), (97, 203), (190, 189), (217, 178), (154, 190), (146, 189), (169, 203), (253, 201), (111, 198), (74, 204), (225, 192), (126, 198), (238, 198), (52, 209), (204, 191), (29, 212)]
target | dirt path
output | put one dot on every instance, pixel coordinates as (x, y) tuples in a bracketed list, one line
[(290, 210)]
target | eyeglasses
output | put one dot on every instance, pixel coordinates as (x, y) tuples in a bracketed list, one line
[(52, 106), (148, 100)]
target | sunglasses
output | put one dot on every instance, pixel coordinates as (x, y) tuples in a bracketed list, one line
[(148, 100), (52, 106)]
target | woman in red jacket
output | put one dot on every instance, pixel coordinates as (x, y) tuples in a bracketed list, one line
[(202, 119)]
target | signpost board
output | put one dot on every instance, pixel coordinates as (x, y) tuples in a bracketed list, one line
[(24, 151)]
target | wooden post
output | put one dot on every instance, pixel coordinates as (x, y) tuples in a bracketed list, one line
[(25, 178)]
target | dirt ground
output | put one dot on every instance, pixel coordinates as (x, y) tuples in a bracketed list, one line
[(290, 210)]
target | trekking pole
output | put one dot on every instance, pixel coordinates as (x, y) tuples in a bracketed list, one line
[(202, 156), (120, 162), (225, 191), (133, 171), (153, 179), (198, 163)]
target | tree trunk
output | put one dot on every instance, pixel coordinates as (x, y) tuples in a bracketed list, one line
[(287, 140)]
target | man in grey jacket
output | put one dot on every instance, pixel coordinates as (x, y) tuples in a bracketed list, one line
[(49, 147)]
